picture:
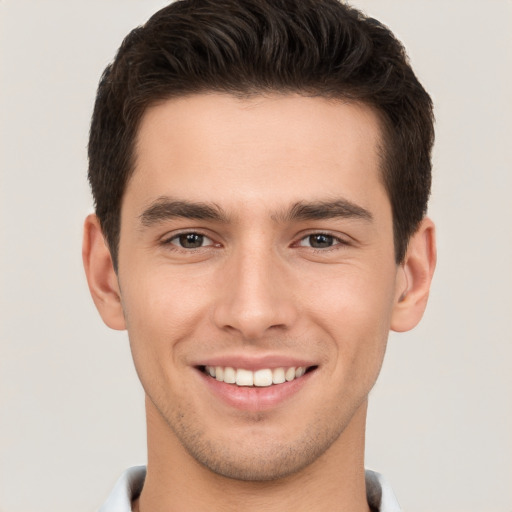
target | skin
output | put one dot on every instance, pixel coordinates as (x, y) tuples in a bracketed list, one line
[(256, 287)]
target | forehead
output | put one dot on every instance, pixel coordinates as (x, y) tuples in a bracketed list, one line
[(264, 148)]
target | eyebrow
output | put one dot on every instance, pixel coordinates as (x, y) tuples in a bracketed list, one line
[(319, 210), (165, 208)]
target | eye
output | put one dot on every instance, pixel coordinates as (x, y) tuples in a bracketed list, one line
[(319, 241), (190, 240)]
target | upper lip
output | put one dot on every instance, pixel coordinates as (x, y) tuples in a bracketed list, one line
[(254, 363)]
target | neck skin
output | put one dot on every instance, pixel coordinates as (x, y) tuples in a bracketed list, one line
[(176, 482)]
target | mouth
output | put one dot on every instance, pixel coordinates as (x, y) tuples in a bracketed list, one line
[(261, 378), (255, 384)]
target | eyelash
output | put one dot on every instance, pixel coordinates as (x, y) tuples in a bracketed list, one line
[(337, 242), (174, 246)]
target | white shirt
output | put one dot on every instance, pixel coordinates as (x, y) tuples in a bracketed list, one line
[(128, 487)]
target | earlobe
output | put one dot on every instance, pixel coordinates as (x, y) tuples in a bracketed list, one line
[(101, 276), (415, 276)]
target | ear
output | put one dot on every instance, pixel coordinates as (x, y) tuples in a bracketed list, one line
[(414, 278), (101, 276)]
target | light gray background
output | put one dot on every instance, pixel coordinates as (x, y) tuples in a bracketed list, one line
[(71, 410)]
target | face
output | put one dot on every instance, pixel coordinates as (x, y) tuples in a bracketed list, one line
[(257, 276)]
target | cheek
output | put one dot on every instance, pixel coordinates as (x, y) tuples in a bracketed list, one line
[(163, 301), (158, 316), (355, 295), (354, 308), (160, 311)]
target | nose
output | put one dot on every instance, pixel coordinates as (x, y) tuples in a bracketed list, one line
[(256, 295)]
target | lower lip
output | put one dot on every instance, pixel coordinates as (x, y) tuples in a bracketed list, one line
[(255, 398)]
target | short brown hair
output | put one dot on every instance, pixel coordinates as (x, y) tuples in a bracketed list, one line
[(243, 47)]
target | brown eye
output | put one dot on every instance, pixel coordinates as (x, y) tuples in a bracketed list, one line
[(318, 241), (191, 240)]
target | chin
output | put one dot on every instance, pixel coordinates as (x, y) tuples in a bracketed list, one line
[(261, 458), (281, 464)]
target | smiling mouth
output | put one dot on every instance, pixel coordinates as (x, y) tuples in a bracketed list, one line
[(264, 377)]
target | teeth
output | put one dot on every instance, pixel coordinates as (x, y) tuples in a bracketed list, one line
[(259, 378), (290, 374), (229, 375), (278, 376), (300, 371), (244, 378), (263, 378)]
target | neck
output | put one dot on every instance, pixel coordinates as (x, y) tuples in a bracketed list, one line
[(176, 482)]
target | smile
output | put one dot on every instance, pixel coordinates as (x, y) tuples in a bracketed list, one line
[(255, 384), (260, 378)]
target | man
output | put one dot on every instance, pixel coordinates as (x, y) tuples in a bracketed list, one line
[(261, 171)]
